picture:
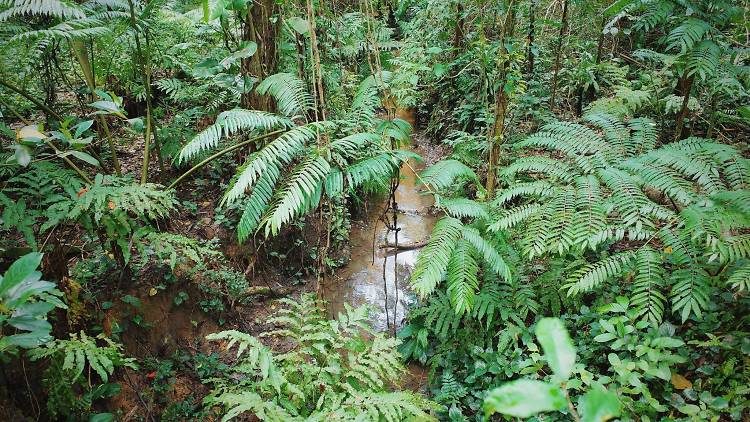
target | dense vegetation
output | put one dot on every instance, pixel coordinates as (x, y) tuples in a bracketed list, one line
[(179, 182)]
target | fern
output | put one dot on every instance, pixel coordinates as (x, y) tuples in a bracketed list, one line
[(647, 286), (52, 8), (433, 259), (331, 371), (82, 350), (443, 174), (289, 92), (227, 124)]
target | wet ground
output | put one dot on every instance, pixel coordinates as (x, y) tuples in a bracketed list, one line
[(379, 276)]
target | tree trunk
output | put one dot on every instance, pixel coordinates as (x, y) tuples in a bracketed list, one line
[(560, 37), (458, 34), (680, 123), (530, 40), (259, 29), (501, 103)]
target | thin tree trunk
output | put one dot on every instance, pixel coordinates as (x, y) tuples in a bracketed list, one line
[(560, 38), (680, 123), (501, 103), (259, 29), (458, 34), (530, 40)]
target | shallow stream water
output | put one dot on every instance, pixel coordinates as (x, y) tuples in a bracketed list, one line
[(370, 278)]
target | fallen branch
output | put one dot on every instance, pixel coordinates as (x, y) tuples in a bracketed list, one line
[(402, 246)]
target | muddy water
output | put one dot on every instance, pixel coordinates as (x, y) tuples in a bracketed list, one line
[(362, 281)]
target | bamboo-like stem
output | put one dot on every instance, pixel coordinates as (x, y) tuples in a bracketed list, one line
[(147, 87), (29, 97), (219, 154), (79, 50)]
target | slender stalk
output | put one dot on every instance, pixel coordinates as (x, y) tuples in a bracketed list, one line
[(147, 87), (560, 38), (501, 103), (79, 50), (48, 111), (680, 124), (219, 154)]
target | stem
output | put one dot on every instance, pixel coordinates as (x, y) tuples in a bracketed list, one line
[(147, 88), (29, 97), (219, 154), (684, 111), (79, 50), (560, 37)]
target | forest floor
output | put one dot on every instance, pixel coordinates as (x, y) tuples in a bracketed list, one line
[(167, 329)]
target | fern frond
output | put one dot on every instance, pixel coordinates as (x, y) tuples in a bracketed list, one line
[(690, 291), (433, 259), (687, 35), (279, 152), (53, 8), (289, 91), (647, 286), (257, 203), (739, 279), (297, 194), (464, 208), (227, 124), (539, 189), (704, 59), (488, 252), (443, 174), (550, 167), (593, 275)]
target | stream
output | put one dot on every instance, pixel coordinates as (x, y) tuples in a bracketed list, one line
[(361, 281)]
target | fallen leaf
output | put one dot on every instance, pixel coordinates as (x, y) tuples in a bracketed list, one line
[(681, 383), (153, 292)]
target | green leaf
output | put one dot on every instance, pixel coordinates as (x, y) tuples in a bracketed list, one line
[(598, 405), (85, 157), (102, 417), (557, 346), (25, 340), (82, 127), (300, 25), (19, 270), (524, 398)]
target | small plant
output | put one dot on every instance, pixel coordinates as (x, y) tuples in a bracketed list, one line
[(331, 372), (524, 398), (25, 300), (74, 366)]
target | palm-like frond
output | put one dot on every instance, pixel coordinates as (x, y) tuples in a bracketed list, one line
[(289, 91), (443, 174), (227, 124)]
